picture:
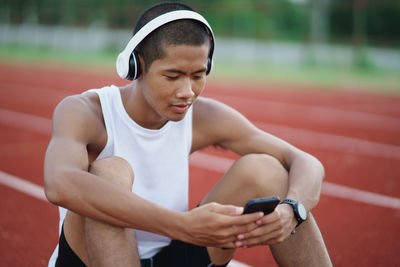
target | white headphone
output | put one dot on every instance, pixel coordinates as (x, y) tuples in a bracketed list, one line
[(128, 61)]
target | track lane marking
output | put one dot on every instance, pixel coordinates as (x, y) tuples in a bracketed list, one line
[(321, 140), (22, 185), (301, 136), (25, 121), (235, 263), (332, 142), (221, 165), (316, 113), (345, 192), (321, 114), (37, 191)]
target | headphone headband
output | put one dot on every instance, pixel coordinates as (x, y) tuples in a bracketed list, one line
[(122, 63)]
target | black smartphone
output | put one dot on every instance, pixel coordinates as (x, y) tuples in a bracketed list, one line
[(265, 204)]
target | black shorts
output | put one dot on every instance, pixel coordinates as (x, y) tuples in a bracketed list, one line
[(176, 254)]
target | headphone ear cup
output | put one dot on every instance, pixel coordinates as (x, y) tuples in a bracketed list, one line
[(209, 65), (134, 67)]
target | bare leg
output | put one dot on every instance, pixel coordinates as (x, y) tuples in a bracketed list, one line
[(98, 243), (306, 246), (255, 176)]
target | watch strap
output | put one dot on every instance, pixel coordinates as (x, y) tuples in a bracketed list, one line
[(289, 201), (293, 203)]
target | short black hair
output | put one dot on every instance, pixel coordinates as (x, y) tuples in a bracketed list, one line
[(185, 31)]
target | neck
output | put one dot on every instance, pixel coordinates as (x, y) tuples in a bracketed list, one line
[(139, 109)]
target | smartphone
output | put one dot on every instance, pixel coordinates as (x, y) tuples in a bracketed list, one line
[(265, 204)]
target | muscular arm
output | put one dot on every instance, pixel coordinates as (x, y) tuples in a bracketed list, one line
[(69, 184), (216, 123)]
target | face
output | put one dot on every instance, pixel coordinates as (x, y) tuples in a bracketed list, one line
[(173, 83)]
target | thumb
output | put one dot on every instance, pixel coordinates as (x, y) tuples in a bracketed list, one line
[(229, 210)]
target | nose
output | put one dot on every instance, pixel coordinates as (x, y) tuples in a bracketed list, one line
[(185, 91)]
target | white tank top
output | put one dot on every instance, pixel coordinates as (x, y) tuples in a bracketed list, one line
[(159, 159)]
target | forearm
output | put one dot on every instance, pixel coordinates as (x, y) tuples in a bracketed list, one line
[(91, 196), (305, 180)]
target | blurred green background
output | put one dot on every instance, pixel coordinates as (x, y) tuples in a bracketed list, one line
[(347, 43)]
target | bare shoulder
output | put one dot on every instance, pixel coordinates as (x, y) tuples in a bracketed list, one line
[(206, 112), (208, 109), (79, 116), (215, 122)]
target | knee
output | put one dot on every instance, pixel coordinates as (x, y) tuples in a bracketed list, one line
[(263, 174), (114, 169)]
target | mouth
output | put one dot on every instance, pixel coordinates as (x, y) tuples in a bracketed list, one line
[(181, 108)]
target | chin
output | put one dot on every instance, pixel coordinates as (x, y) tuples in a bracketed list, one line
[(177, 117)]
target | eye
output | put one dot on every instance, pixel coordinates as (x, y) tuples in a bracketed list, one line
[(198, 77), (171, 78)]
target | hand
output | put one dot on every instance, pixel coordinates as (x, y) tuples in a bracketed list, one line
[(272, 229), (217, 225)]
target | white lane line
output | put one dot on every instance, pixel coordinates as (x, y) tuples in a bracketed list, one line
[(25, 121), (235, 263), (37, 191), (332, 141), (345, 192), (210, 162), (320, 114), (303, 137), (221, 165), (39, 90), (22, 185)]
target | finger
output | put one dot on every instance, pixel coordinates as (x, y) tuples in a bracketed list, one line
[(229, 210), (267, 239), (260, 231), (239, 231), (247, 218), (269, 218)]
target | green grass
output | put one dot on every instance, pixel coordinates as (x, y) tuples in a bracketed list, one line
[(43, 54), (316, 76)]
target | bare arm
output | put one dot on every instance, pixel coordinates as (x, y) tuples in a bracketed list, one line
[(69, 184), (221, 125), (305, 171), (218, 124)]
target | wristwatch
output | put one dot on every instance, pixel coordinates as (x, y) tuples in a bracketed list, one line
[(300, 213)]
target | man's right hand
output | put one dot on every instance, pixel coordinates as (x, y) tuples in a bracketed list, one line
[(216, 225)]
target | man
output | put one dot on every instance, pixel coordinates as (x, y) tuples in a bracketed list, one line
[(118, 162)]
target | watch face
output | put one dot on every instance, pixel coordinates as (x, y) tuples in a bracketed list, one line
[(302, 211)]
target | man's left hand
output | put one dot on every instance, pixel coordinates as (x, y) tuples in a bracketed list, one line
[(272, 229)]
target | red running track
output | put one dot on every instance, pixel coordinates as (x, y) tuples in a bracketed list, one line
[(355, 135)]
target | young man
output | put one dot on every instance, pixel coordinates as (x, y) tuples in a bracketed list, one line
[(118, 163)]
